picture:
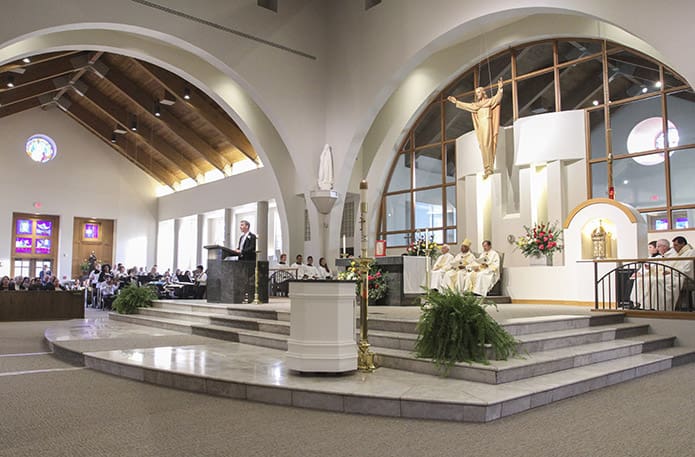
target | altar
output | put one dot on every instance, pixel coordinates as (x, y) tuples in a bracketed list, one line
[(406, 276)]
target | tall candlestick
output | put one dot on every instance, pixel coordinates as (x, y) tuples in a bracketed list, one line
[(363, 218), (344, 249), (427, 239)]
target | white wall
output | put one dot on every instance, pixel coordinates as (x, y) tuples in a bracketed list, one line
[(372, 71), (86, 179)]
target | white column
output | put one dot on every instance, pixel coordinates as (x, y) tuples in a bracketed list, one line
[(228, 229), (177, 229), (199, 240), (262, 229)]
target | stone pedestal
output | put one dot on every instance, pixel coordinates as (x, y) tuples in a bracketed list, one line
[(322, 327)]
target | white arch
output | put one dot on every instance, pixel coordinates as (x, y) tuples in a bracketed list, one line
[(427, 78), (207, 73)]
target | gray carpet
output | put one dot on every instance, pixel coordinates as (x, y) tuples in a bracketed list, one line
[(86, 413)]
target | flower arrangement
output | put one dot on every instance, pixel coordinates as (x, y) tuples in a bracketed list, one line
[(378, 285), (423, 245), (541, 239)]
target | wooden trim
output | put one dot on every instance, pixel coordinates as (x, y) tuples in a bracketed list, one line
[(533, 301), (631, 217)]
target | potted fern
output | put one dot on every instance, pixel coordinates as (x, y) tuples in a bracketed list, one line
[(457, 328), (133, 297)]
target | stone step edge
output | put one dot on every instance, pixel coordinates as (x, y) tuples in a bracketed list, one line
[(219, 317), (494, 372), (402, 406)]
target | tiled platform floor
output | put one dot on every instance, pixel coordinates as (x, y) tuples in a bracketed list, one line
[(259, 374)]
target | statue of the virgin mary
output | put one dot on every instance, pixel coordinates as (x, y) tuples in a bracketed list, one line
[(325, 180)]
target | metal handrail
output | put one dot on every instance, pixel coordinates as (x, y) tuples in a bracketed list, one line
[(657, 279)]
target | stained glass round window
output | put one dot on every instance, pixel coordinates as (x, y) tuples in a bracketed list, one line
[(41, 148)]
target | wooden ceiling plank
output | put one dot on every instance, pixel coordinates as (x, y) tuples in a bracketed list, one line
[(103, 131), (185, 133), (19, 107), (36, 60), (118, 114), (26, 92), (199, 104), (41, 72)]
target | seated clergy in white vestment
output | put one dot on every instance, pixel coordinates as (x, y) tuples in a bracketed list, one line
[(451, 278), (656, 287), (484, 272), (440, 267)]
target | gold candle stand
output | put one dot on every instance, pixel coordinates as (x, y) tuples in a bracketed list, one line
[(365, 357)]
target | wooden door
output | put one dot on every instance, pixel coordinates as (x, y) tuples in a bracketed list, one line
[(91, 235)]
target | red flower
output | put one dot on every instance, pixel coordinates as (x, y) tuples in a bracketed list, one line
[(541, 247), (376, 286), (545, 238)]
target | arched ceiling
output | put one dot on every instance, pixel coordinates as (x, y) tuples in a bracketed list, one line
[(155, 119)]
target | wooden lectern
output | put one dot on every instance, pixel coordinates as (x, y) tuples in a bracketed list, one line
[(233, 281)]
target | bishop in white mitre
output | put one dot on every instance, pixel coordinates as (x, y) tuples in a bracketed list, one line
[(440, 267), (483, 273), (450, 279)]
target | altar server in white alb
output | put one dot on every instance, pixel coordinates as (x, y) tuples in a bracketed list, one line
[(440, 267), (484, 272), (451, 279)]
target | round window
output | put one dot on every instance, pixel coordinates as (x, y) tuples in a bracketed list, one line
[(41, 148)]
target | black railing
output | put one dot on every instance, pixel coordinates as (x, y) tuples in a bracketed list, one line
[(655, 284)]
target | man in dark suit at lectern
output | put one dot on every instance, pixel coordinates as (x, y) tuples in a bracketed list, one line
[(246, 248)]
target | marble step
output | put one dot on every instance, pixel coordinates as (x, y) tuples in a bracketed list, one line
[(515, 326), (525, 366), (248, 323), (221, 332), (251, 311)]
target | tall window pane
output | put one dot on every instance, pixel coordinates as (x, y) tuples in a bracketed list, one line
[(429, 129), (639, 185), (428, 167), (450, 205), (683, 218), (398, 239), (631, 75), (599, 180), (630, 116), (456, 121), (428, 208), (398, 212), (575, 49), (681, 116), (450, 170), (682, 174), (597, 133), (400, 178), (536, 95), (534, 57), (491, 70), (581, 85)]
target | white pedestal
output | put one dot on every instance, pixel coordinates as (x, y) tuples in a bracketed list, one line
[(322, 327)]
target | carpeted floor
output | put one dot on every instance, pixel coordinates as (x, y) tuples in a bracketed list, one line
[(86, 413)]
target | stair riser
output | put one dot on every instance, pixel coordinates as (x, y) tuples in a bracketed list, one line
[(170, 314), (606, 319), (156, 324), (542, 327), (563, 342), (183, 307), (391, 342), (630, 332), (658, 344), (470, 373)]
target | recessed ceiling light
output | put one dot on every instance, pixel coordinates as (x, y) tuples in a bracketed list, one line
[(657, 84), (26, 60), (644, 90), (595, 103), (626, 182)]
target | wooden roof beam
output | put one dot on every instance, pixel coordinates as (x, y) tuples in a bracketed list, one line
[(35, 60), (146, 103), (119, 115), (198, 104), (125, 146), (19, 107), (28, 91), (42, 72)]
